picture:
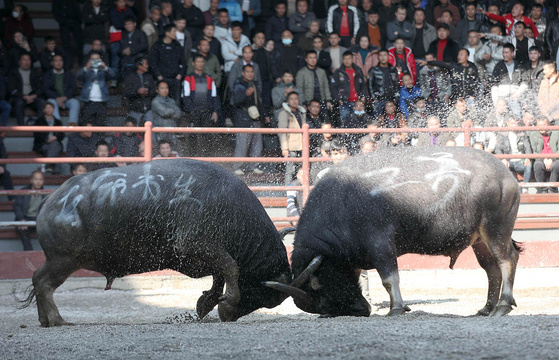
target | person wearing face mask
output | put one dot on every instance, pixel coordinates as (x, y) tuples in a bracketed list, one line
[(285, 56), (358, 119), (19, 21)]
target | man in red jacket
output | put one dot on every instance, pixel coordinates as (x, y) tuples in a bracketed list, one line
[(515, 16)]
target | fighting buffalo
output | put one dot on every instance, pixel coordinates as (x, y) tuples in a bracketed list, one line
[(373, 208), (185, 215)]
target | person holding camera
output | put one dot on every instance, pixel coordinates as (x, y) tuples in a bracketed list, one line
[(95, 91)]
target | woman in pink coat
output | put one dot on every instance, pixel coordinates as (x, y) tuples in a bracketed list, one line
[(365, 55)]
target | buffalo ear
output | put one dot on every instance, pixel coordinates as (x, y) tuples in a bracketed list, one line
[(315, 284)]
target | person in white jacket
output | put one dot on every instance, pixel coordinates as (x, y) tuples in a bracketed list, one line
[(232, 46)]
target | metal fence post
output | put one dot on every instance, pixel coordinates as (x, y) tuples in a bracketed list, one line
[(306, 162), (467, 135), (148, 142)]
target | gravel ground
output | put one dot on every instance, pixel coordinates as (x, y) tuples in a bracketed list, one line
[(158, 324)]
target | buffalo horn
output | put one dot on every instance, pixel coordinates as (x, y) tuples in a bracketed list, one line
[(289, 290), (286, 231), (304, 276)]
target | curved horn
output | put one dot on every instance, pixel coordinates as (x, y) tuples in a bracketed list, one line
[(304, 276), (286, 231), (296, 293)]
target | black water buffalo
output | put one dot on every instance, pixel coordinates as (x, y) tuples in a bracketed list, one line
[(371, 209), (186, 215)]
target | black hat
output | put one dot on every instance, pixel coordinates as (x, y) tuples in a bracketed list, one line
[(443, 26)]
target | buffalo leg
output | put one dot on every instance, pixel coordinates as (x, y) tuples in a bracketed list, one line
[(228, 269), (488, 263), (45, 281), (391, 282), (210, 298)]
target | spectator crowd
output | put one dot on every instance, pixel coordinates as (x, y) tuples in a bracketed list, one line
[(328, 63)]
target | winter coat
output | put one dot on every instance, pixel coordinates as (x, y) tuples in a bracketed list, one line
[(241, 102), (305, 40), (299, 23), (126, 146), (340, 86), (370, 61), (88, 77), (462, 29), (165, 111), (49, 88), (167, 60), (334, 20), (95, 24), (275, 26), (286, 120), (285, 58), (509, 22), (396, 29), (189, 92), (464, 80), (377, 91), (231, 51), (305, 82), (79, 146), (410, 62), (237, 70), (21, 204), (278, 95), (442, 80), (406, 99), (211, 67), (450, 52), (132, 83), (552, 36), (15, 83), (536, 141), (40, 138), (548, 98), (429, 35), (479, 61)]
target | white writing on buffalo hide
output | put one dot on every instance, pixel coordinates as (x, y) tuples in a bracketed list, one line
[(69, 213), (184, 193), (110, 189), (152, 188)]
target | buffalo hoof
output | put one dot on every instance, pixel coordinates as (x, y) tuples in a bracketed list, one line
[(227, 312), (501, 310), (398, 311), (56, 322), (485, 311), (206, 303)]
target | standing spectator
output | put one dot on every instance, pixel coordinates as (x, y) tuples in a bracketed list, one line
[(548, 96), (323, 57), (117, 15), (521, 43), (194, 18), (5, 106), (439, 9), (237, 69), (365, 56), (183, 37), (446, 18), (19, 21), (401, 57), (48, 53), (508, 79), (513, 142), (233, 45), (166, 16), (139, 89), (480, 54), (299, 21), (534, 75), (295, 197), (284, 88), (210, 15), (95, 16), (536, 15), (166, 112), (278, 23), (200, 103), (222, 29), (95, 92), (315, 118), (376, 33), (545, 142), (347, 85), (496, 51), (26, 208), (458, 116), (82, 144), (48, 144), (151, 26), (247, 112), (126, 143), (467, 24), (215, 44), (435, 86), (444, 48), (399, 28), (252, 9), (292, 116), (264, 61), (516, 15), (305, 41), (286, 56), (234, 9), (552, 35), (383, 83), (59, 87), (211, 63), (167, 61), (418, 115), (67, 14), (488, 23), (134, 43), (336, 51), (408, 92), (358, 119), (343, 20), (423, 35), (392, 118), (25, 88), (313, 82)]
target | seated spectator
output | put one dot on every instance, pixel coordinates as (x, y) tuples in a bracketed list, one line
[(151, 26), (305, 40), (95, 16), (50, 50), (25, 88), (211, 62), (234, 9), (5, 106), (215, 44), (21, 46), (516, 15), (315, 118), (292, 116), (383, 83), (134, 43), (446, 18), (313, 82), (347, 85), (445, 5), (423, 34), (277, 24), (222, 28), (336, 51), (375, 32), (548, 95), (184, 37), (300, 20), (444, 48), (167, 9), (233, 45), (434, 137), (521, 43), (508, 84), (139, 89), (165, 149), (418, 116), (365, 56), (403, 60), (539, 20), (117, 15), (126, 143), (49, 144), (194, 18), (79, 169), (338, 153), (435, 85), (26, 208), (534, 75), (67, 15), (467, 24), (245, 97), (97, 45), (392, 117), (461, 117), (374, 139), (513, 142), (167, 61), (399, 28), (5, 176), (95, 92), (101, 151), (343, 20), (408, 92), (237, 68), (285, 56), (480, 54), (284, 88), (210, 15), (59, 87), (323, 57), (498, 116), (166, 112), (326, 140), (19, 21), (356, 120), (545, 142), (82, 144), (295, 197)]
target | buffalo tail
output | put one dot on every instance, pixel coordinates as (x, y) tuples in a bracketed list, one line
[(30, 297), (518, 246)]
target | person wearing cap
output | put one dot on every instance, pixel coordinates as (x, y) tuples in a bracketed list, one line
[(444, 48)]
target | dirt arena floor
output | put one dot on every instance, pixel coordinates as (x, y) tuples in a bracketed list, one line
[(152, 319)]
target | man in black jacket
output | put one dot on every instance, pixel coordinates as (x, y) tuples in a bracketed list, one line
[(347, 85), (343, 20), (167, 61), (26, 208), (59, 87), (285, 57), (278, 23), (134, 43), (383, 83), (444, 48), (464, 76), (67, 14), (194, 18), (552, 35), (139, 88), (262, 58), (25, 88)]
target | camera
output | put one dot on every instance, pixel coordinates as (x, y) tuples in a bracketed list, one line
[(95, 63)]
